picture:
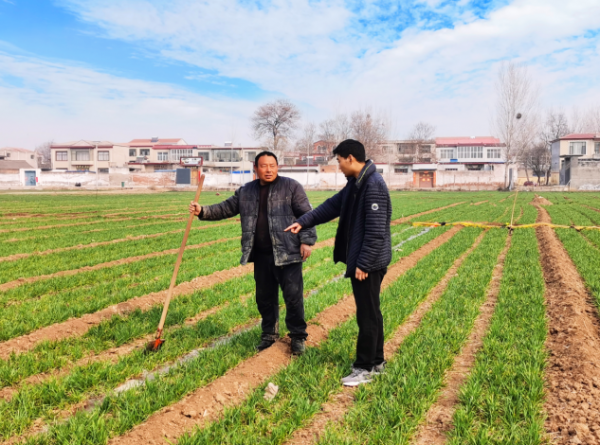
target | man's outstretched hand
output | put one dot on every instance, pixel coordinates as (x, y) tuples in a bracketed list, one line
[(295, 228)]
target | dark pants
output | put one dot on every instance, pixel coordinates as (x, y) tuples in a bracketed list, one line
[(269, 278), (369, 347)]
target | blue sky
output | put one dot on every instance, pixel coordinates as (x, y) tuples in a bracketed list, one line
[(122, 69)]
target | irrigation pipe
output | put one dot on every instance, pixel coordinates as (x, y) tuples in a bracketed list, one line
[(503, 226)]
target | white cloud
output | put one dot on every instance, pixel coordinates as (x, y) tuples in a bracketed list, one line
[(65, 102), (309, 52)]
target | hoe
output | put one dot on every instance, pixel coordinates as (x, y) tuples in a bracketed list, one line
[(156, 344)]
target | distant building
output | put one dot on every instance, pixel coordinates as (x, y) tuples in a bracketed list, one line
[(576, 160), (18, 154), (83, 155)]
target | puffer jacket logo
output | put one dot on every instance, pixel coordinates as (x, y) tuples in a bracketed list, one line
[(287, 202)]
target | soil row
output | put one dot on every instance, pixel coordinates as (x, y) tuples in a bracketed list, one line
[(416, 215), (573, 343)]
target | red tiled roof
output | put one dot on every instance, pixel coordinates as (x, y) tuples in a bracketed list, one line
[(488, 141), (581, 136)]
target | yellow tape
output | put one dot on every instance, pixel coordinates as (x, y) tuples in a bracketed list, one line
[(502, 226)]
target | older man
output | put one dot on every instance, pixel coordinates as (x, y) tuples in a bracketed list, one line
[(267, 206)]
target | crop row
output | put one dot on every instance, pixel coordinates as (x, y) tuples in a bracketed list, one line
[(92, 380), (119, 413), (313, 379), (50, 355)]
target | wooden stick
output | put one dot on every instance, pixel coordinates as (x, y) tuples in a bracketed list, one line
[(163, 317)]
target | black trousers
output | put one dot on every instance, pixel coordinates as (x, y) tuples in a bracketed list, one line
[(269, 278), (369, 346)]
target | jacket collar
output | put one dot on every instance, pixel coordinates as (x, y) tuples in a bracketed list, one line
[(366, 171)]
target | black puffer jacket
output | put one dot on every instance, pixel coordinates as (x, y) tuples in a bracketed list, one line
[(369, 240), (287, 202)]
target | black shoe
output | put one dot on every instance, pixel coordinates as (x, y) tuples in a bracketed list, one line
[(264, 344), (298, 346)]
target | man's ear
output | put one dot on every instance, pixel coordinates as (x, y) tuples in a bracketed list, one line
[(351, 158)]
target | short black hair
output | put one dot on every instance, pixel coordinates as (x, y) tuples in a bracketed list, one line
[(351, 147), (264, 153)]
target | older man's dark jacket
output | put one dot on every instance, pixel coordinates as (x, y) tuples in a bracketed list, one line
[(363, 236), (287, 202)]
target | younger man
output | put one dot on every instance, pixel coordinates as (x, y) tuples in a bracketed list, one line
[(363, 243)]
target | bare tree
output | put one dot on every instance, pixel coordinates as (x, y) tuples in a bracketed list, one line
[(343, 127), (276, 121), (540, 161), (43, 153), (327, 133), (421, 135), (515, 114), (555, 125), (305, 143), (371, 131)]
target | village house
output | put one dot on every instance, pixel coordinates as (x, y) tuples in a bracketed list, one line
[(576, 160)]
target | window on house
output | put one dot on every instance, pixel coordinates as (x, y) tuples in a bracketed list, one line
[(406, 148), (82, 168), (400, 170), (494, 153), (426, 149), (250, 155), (204, 155), (103, 170), (132, 152), (447, 153), (145, 152), (62, 156), (227, 155), (451, 169), (31, 156), (81, 155), (177, 154), (380, 170), (163, 155), (469, 152), (103, 156), (597, 148), (577, 148)]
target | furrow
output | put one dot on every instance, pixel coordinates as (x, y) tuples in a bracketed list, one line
[(439, 417), (79, 326), (573, 371), (416, 215)]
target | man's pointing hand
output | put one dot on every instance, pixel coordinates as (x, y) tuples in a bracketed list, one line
[(295, 228)]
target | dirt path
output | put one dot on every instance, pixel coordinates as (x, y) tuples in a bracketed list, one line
[(79, 326), (416, 215), (340, 403), (128, 260), (20, 256), (573, 343), (439, 417), (207, 403)]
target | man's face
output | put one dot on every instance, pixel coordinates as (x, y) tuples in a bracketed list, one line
[(345, 164), (266, 169)]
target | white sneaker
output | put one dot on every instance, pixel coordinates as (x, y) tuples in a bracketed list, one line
[(357, 377), (378, 369)]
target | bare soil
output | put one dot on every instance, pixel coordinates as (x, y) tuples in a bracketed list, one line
[(207, 404), (79, 326), (416, 215), (573, 343), (479, 203), (340, 403), (439, 417), (540, 200)]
